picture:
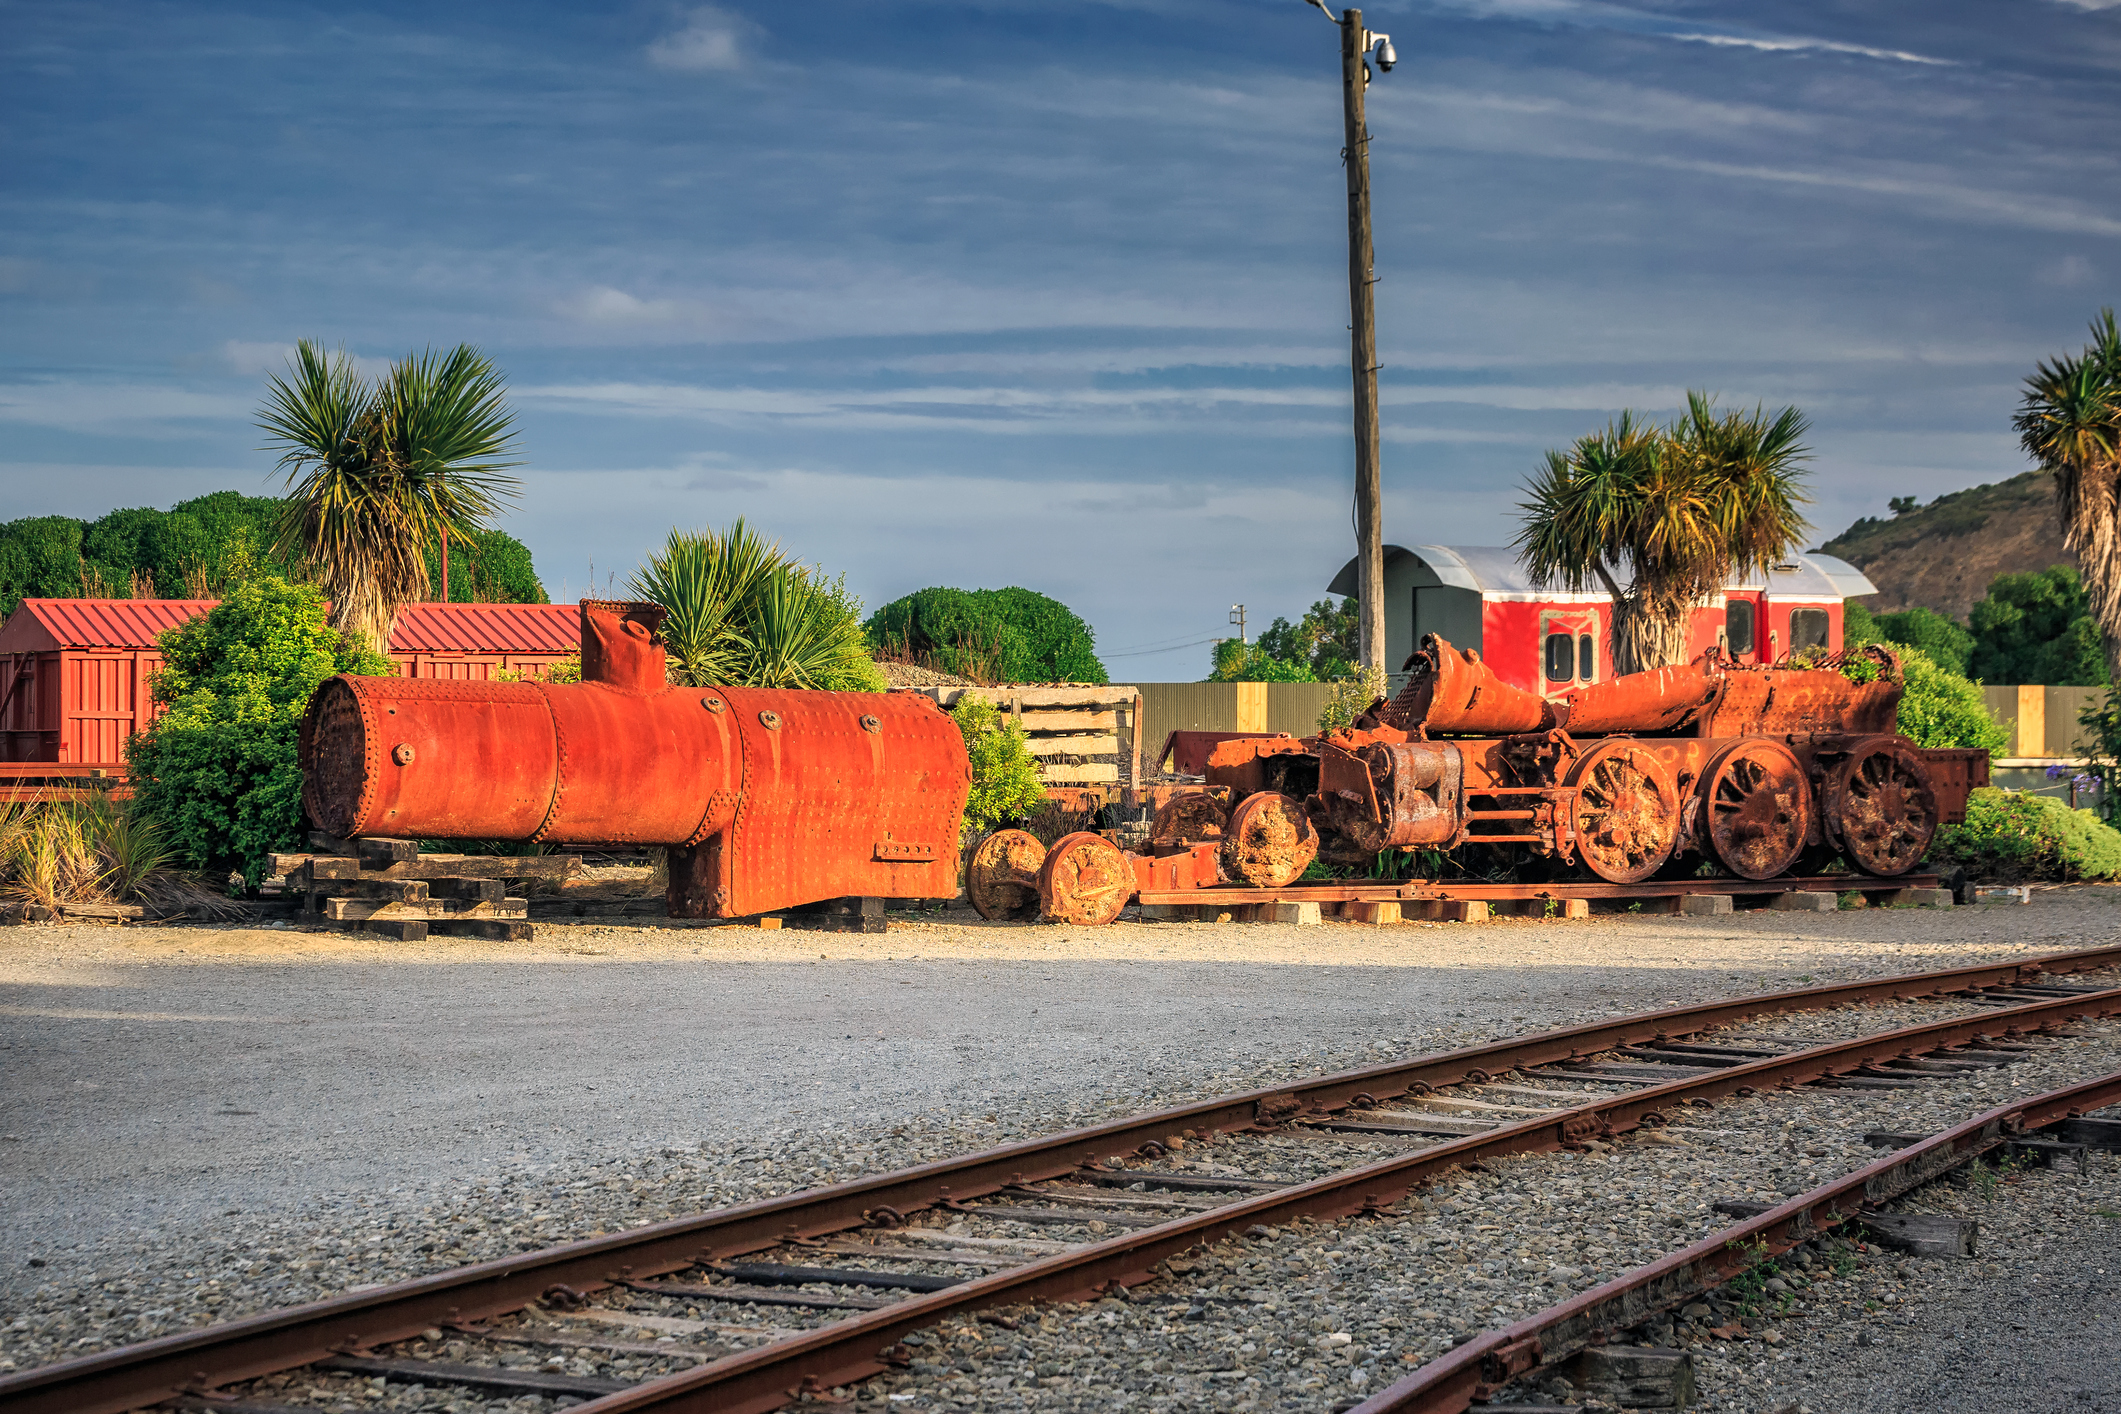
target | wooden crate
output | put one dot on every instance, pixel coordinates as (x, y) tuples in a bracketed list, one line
[(1067, 724)]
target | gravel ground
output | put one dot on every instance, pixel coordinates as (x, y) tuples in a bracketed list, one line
[(428, 1105)]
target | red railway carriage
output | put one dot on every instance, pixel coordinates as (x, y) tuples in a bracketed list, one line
[(1551, 641)]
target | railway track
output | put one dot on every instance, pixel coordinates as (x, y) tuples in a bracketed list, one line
[(804, 1297)]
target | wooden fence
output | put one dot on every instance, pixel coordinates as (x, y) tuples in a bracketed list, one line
[(2042, 720)]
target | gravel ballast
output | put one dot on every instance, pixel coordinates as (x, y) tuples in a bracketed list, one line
[(420, 1106)]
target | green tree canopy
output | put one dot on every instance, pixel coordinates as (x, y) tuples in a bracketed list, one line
[(1323, 640), (1944, 640), (2069, 422), (989, 635), (2037, 627), (192, 550)]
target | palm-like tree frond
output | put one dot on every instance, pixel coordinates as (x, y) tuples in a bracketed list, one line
[(708, 584), (377, 472), (1682, 509), (2069, 422)]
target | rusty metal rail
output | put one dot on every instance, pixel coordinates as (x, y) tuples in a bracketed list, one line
[(1483, 1365), (198, 1362), (1432, 890), (778, 1374)]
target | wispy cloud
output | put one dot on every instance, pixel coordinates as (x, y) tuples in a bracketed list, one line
[(711, 40), (1777, 45), (1592, 14)]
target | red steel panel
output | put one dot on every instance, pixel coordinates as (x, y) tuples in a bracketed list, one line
[(486, 628)]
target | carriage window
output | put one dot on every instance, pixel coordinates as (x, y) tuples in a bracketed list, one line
[(1561, 657), (1807, 629), (1586, 658), (1738, 625)]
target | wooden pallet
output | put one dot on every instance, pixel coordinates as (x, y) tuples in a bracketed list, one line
[(390, 887), (1082, 735)]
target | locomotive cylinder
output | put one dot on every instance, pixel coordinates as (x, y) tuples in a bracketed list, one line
[(767, 798)]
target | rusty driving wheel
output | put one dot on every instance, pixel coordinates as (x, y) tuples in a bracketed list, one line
[(1002, 875), (1626, 812), (1085, 879), (1195, 817), (1269, 842), (1880, 803), (1756, 808)]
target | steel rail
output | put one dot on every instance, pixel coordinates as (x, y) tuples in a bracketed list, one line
[(1434, 891), (816, 1361), (196, 1361), (1483, 1365)]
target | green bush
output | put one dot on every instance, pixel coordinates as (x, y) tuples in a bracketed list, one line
[(1241, 662), (1005, 780), (1937, 708), (1324, 639), (1947, 644), (2011, 836), (218, 769), (989, 635)]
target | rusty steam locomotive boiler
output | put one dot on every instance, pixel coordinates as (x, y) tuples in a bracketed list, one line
[(767, 799), (1763, 770)]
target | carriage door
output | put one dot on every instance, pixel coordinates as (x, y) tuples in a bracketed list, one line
[(1568, 649), (1742, 628)]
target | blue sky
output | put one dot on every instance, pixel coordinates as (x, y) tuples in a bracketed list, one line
[(1046, 294)]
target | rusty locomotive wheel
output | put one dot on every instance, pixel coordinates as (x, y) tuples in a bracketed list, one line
[(1756, 808), (1002, 875), (1085, 880), (1626, 811), (1880, 804), (1195, 817), (1270, 841)]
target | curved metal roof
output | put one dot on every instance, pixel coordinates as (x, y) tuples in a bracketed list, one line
[(1494, 572)]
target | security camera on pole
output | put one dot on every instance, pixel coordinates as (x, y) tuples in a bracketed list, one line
[(1356, 44)]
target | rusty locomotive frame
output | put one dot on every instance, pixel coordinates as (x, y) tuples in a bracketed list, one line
[(772, 799), (1762, 773)]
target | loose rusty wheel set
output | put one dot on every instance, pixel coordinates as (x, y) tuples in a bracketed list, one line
[(1748, 771)]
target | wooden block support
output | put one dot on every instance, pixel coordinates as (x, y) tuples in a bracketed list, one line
[(1575, 908), (2104, 1134), (1805, 901), (405, 930), (1704, 905), (1385, 912), (1634, 1376), (1086, 773), (1106, 721), (1073, 745), (493, 930), (1301, 913), (843, 915), (1914, 898), (1167, 912), (1919, 1234), (1447, 911)]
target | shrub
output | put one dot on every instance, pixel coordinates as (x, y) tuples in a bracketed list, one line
[(1947, 644), (743, 614), (1005, 780), (1937, 708), (1351, 696), (2012, 836), (989, 635), (219, 767), (1240, 662)]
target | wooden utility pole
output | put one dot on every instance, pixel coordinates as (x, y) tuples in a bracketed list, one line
[(1369, 509)]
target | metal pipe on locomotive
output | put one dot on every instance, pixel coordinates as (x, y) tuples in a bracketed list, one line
[(766, 799), (1756, 770)]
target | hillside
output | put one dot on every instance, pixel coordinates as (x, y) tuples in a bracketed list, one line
[(1942, 556)]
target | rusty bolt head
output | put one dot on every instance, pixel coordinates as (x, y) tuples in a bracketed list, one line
[(712, 704), (771, 721), (871, 723), (402, 753)]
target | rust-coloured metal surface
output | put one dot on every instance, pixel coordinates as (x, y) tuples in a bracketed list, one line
[(1190, 819), (1085, 880), (1646, 704), (1270, 841), (1188, 752), (1451, 691), (1482, 1366), (1879, 806), (1002, 875), (134, 1376), (1756, 808), (1419, 795), (1626, 811), (767, 798), (1954, 774)]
